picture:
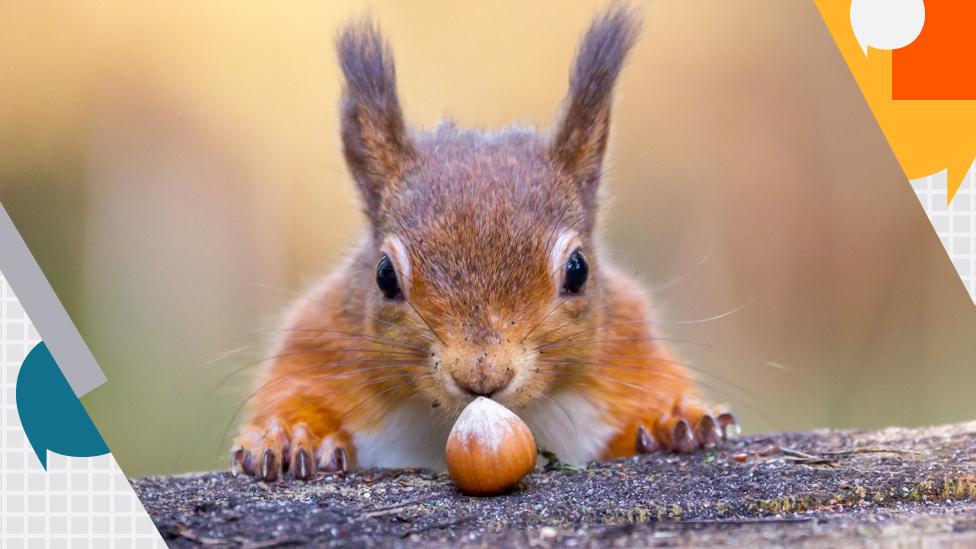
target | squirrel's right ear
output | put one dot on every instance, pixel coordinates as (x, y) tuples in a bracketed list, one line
[(374, 135), (581, 136)]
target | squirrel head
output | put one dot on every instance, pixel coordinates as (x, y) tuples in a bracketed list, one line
[(483, 242)]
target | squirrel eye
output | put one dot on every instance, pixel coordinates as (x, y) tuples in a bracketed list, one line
[(386, 278), (576, 272)]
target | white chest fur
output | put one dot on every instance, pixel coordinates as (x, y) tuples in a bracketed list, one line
[(409, 436), (413, 436), (570, 425)]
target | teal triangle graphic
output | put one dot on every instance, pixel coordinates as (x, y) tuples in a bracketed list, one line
[(51, 414)]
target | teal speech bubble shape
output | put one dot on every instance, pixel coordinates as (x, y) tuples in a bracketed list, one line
[(51, 414)]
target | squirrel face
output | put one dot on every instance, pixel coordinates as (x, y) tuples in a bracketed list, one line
[(483, 242), (490, 249)]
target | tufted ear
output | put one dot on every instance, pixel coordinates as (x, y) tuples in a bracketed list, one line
[(374, 136), (581, 136)]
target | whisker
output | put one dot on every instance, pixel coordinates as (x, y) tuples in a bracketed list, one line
[(582, 377), (353, 337), (277, 401), (567, 341), (777, 365), (415, 333), (680, 278), (546, 335), (681, 341), (280, 379), (551, 311), (387, 366), (285, 336), (383, 392), (223, 355), (409, 282), (601, 308), (634, 386), (261, 361), (424, 320), (365, 266), (713, 318), (648, 369), (338, 169), (642, 321), (565, 411), (555, 227)]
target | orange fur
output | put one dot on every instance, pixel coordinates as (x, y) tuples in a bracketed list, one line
[(478, 229)]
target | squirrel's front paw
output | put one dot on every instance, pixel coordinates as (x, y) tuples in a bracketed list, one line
[(686, 428), (268, 452)]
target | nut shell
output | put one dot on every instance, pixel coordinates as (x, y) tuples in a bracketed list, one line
[(489, 450)]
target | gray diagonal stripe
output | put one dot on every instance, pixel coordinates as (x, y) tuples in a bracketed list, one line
[(45, 310)]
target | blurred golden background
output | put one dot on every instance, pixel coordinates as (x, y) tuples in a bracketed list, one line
[(175, 168)]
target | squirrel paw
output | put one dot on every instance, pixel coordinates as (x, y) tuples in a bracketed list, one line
[(268, 454), (686, 428)]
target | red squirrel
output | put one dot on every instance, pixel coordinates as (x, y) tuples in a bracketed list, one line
[(480, 275)]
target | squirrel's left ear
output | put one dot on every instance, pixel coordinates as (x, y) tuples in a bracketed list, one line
[(374, 134), (581, 136)]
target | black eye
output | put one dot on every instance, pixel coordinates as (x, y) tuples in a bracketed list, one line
[(386, 278), (576, 272)]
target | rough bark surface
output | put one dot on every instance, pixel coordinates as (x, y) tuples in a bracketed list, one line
[(897, 485)]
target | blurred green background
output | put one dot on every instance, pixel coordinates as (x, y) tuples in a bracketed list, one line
[(175, 169)]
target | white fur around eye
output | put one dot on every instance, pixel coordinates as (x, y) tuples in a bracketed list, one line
[(566, 242), (394, 249)]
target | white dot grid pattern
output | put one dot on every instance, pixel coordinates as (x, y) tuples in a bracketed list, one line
[(77, 502), (954, 223)]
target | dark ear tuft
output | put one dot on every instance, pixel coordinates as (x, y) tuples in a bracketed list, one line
[(374, 135), (581, 136)]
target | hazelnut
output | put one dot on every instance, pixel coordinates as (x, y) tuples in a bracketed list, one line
[(489, 449)]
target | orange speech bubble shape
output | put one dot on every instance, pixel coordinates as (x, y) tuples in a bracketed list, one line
[(929, 135)]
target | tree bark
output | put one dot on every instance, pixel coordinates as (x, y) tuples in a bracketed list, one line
[(824, 486)]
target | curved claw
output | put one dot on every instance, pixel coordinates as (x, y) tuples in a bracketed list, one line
[(236, 457), (725, 420), (646, 444), (684, 440), (274, 451), (707, 432), (338, 462), (303, 466), (269, 466), (247, 465)]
